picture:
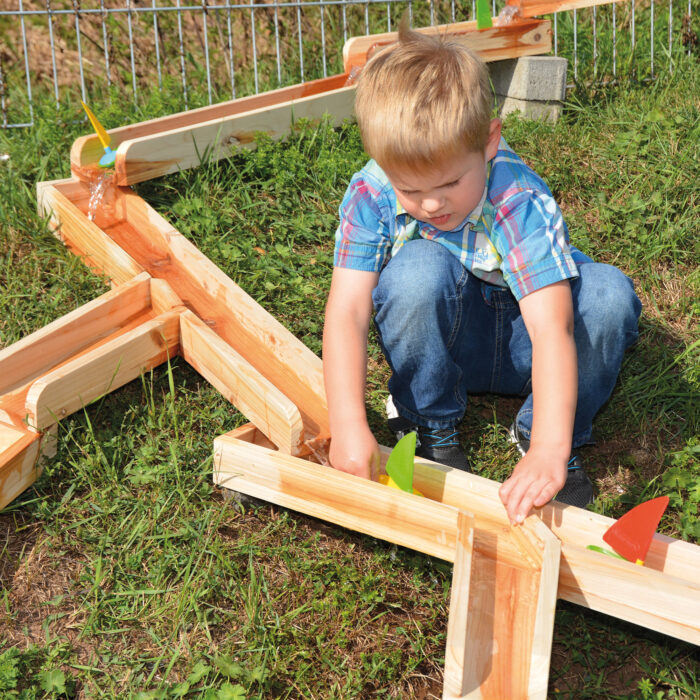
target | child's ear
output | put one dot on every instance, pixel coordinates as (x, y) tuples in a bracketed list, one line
[(494, 139)]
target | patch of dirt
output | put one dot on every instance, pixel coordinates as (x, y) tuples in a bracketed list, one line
[(575, 678), (16, 537), (43, 584)]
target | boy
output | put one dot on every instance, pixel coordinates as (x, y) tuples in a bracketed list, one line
[(463, 254)]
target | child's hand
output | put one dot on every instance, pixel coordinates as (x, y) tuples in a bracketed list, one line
[(536, 479), (355, 450)]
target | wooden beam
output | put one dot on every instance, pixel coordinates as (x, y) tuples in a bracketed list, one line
[(522, 38), (167, 152), (19, 454), (337, 497), (532, 8), (39, 352), (235, 317), (99, 371), (663, 595), (549, 548), (457, 647), (82, 236), (505, 616), (163, 297), (239, 382), (660, 600), (87, 150)]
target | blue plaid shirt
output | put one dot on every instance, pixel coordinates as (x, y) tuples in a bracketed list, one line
[(515, 237)]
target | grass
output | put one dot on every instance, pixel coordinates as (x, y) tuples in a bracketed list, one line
[(125, 573)]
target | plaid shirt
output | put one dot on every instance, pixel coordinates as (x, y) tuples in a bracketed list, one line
[(515, 237)]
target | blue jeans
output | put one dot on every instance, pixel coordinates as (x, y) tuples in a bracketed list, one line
[(446, 334)]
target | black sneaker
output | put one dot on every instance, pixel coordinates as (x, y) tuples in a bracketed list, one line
[(442, 446), (436, 445), (578, 489)]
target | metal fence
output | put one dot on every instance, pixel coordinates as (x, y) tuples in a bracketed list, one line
[(58, 50)]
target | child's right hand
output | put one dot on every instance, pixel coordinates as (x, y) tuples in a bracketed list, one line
[(355, 450)]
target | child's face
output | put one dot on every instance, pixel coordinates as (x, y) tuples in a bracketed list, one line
[(444, 198)]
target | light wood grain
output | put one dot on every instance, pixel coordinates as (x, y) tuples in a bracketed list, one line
[(655, 599), (337, 497), (19, 469), (72, 333), (167, 152), (511, 619), (524, 38), (458, 645), (547, 547), (99, 371), (87, 150), (589, 578), (163, 298), (235, 317), (532, 8), (85, 239), (241, 384)]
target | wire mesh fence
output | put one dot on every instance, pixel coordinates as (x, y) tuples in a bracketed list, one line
[(206, 52)]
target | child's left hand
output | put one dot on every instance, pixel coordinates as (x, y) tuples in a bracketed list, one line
[(536, 479)]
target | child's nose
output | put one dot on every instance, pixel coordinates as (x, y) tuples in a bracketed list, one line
[(432, 204)]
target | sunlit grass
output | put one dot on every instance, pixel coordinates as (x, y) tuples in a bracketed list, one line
[(125, 573)]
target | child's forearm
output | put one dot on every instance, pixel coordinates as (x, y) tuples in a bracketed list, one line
[(344, 370), (554, 389), (353, 447), (548, 316)]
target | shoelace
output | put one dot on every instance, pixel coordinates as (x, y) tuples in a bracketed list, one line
[(575, 466), (438, 440)]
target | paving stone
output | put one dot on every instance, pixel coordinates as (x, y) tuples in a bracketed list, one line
[(531, 109), (530, 78)]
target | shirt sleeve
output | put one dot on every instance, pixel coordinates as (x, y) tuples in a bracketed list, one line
[(532, 239), (362, 241)]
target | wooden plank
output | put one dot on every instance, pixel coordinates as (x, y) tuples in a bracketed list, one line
[(337, 497), (167, 152), (500, 629), (163, 297), (238, 319), (633, 593), (532, 8), (241, 384), (655, 599), (39, 352), (84, 238), (80, 381), (548, 548), (457, 646), (12, 403), (511, 602), (523, 38), (19, 453), (510, 620), (87, 150)]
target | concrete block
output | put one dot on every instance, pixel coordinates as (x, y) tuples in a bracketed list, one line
[(530, 109), (530, 78)]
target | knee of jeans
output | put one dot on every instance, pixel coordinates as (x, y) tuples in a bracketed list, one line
[(608, 294), (420, 274)]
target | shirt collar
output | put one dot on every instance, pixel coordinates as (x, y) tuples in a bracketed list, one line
[(472, 218)]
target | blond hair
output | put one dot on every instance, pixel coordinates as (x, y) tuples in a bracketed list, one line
[(421, 100)]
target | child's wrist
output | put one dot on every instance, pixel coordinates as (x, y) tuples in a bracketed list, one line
[(554, 450)]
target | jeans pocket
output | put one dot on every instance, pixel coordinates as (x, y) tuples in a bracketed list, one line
[(499, 297)]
